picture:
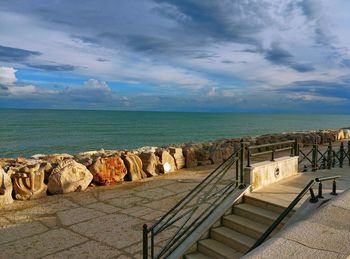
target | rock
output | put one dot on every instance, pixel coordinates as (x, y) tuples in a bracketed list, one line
[(56, 158), (202, 154), (134, 167), (346, 133), (28, 181), (215, 155), (108, 170), (206, 162), (178, 157), (69, 176), (5, 188), (167, 161), (227, 150), (340, 135), (190, 157), (149, 163)]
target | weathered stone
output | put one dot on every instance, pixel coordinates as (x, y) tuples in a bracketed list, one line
[(227, 151), (178, 157), (69, 176), (108, 170), (134, 167), (215, 155), (190, 157), (28, 181), (5, 188), (167, 161), (202, 154), (149, 163), (206, 162), (56, 158)]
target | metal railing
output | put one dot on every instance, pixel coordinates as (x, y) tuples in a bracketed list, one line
[(316, 156), (284, 214), (272, 149), (163, 237)]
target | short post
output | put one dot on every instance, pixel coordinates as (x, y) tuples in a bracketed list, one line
[(314, 157), (334, 188), (273, 154), (320, 190), (305, 168), (313, 198), (241, 186), (341, 155), (145, 241), (329, 155), (296, 147)]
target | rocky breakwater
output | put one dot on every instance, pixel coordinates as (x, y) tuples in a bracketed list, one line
[(41, 175)]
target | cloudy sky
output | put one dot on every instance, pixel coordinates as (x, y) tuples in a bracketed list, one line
[(176, 55)]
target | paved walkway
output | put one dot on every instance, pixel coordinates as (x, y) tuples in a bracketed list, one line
[(107, 222), (103, 222)]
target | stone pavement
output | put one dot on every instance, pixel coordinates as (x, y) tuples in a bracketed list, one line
[(103, 222)]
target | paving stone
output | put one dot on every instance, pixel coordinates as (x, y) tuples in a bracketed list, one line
[(18, 231), (155, 194), (103, 207), (41, 245), (125, 202), (73, 216), (4, 221), (117, 230), (82, 198), (138, 211), (91, 249), (117, 193)]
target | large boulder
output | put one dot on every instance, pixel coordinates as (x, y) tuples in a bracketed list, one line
[(190, 157), (56, 158), (178, 157), (134, 167), (215, 155), (150, 163), (108, 170), (168, 162), (202, 154), (69, 176), (5, 188), (28, 180)]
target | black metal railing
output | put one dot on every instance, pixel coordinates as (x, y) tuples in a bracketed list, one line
[(313, 199), (272, 149), (317, 156), (163, 237)]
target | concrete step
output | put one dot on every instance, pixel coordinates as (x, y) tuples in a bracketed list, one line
[(197, 255), (254, 213), (232, 238), (215, 249), (243, 225), (275, 205)]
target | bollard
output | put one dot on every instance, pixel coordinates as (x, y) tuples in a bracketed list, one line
[(320, 190), (313, 198), (305, 168), (334, 188), (145, 241)]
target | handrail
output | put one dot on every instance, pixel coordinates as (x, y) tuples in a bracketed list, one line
[(186, 215), (291, 206)]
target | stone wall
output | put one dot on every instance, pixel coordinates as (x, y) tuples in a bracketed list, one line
[(61, 173)]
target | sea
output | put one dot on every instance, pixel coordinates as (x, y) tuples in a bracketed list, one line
[(29, 132)]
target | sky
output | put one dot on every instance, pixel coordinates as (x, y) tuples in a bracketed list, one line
[(168, 55)]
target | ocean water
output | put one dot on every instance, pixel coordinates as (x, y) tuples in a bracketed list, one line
[(29, 132)]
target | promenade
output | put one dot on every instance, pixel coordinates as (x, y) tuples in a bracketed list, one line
[(106, 222)]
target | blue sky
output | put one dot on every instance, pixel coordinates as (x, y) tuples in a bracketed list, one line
[(184, 55)]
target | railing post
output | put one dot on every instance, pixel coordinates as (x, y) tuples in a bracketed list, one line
[(248, 157), (341, 155), (320, 190), (241, 186), (296, 147), (237, 169), (349, 151), (314, 157), (313, 198), (273, 154), (329, 155), (334, 157), (145, 241), (334, 188)]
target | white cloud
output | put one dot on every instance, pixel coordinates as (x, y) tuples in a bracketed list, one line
[(315, 98), (7, 75)]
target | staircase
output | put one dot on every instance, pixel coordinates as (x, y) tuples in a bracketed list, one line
[(239, 230)]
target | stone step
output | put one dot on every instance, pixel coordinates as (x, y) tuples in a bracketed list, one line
[(238, 241), (243, 225), (254, 213), (197, 255), (215, 249), (275, 206)]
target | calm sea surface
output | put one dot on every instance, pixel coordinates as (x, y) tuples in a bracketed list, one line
[(28, 132)]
